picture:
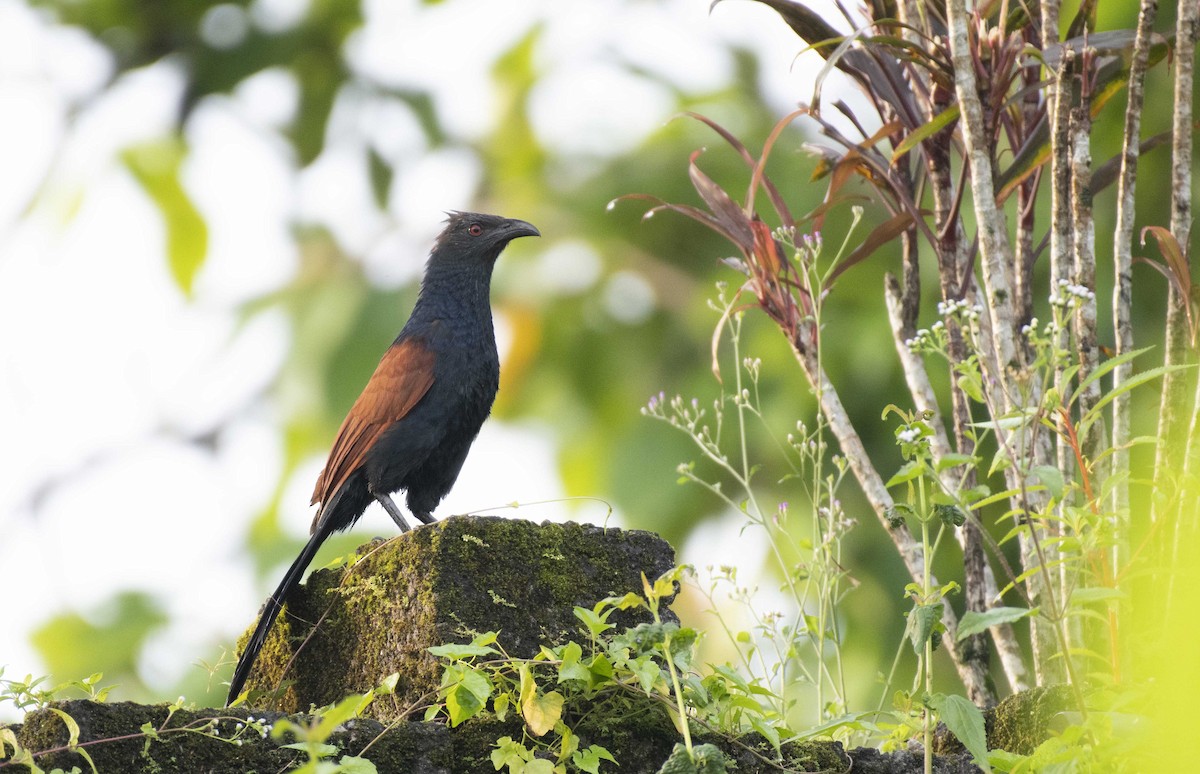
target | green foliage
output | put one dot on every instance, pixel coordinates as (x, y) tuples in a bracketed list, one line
[(115, 634), (615, 671), (312, 737), (156, 166), (965, 721)]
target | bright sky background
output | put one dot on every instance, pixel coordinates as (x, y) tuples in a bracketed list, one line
[(106, 370)]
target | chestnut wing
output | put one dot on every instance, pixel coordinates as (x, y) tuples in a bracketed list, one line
[(404, 375)]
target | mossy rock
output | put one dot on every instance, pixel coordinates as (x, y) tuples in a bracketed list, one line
[(216, 741), (347, 628), (1018, 724), (187, 741)]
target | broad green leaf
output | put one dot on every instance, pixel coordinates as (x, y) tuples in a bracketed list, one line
[(974, 622), (542, 711), (457, 652), (965, 721), (589, 760), (764, 729), (538, 766), (951, 515), (350, 764), (1050, 477), (500, 706), (72, 726), (922, 620), (156, 167), (510, 753), (595, 623), (468, 696), (907, 472), (349, 707), (571, 669)]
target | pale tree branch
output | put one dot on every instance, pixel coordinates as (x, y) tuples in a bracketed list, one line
[(1083, 241), (1122, 300), (1186, 31), (993, 234)]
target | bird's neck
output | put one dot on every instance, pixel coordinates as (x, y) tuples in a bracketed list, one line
[(457, 293)]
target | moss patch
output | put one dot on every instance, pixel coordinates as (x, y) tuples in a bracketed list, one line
[(347, 628)]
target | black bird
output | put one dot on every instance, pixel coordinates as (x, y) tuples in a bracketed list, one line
[(422, 408)]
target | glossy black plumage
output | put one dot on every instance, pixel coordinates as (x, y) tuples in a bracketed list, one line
[(420, 411)]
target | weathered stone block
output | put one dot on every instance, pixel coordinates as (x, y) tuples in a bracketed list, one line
[(346, 629)]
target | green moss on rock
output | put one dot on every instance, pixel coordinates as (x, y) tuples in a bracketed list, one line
[(347, 628)]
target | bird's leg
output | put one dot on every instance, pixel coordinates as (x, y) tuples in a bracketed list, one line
[(393, 510), (425, 517)]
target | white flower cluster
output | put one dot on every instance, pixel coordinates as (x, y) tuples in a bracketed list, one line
[(959, 308), (922, 338), (909, 435), (1068, 294)]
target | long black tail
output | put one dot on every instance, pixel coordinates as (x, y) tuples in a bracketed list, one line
[(272, 606)]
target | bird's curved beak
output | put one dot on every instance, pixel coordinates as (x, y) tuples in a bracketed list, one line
[(514, 228)]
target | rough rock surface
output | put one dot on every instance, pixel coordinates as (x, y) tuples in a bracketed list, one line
[(347, 628)]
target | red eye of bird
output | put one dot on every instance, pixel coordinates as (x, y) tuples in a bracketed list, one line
[(475, 229)]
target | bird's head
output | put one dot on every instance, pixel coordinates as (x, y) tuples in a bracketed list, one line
[(477, 236)]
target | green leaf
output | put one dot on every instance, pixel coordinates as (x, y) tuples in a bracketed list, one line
[(950, 514), (600, 670), (538, 766), (929, 128), (320, 750), (921, 622), (974, 622), (155, 166), (1095, 412), (1103, 368), (647, 670), (72, 726), (972, 385), (350, 764), (764, 729), (953, 460), (593, 620), (589, 760), (1096, 594), (510, 753), (381, 174), (500, 706), (1050, 477), (457, 651), (907, 472), (468, 696), (965, 721), (345, 709), (571, 669)]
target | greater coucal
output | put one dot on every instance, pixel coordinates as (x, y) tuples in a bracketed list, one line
[(421, 409)]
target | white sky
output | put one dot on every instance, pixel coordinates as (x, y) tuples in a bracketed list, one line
[(103, 365)]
